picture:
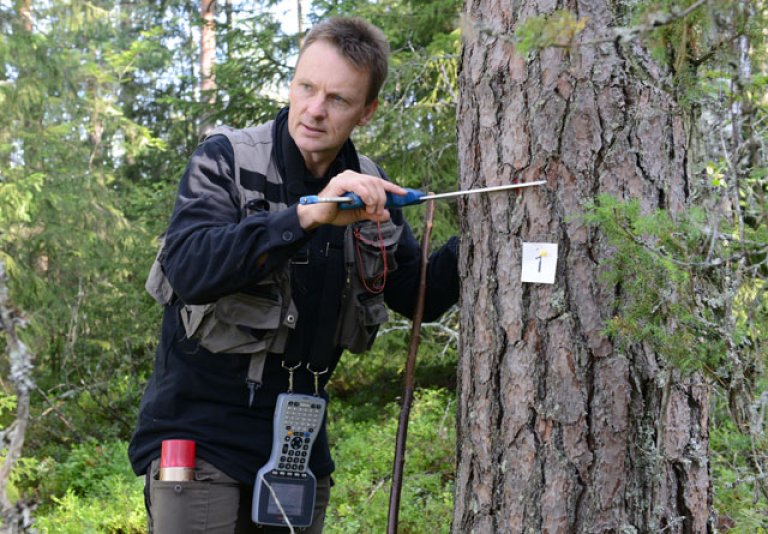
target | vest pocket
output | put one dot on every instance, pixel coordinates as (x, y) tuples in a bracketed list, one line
[(372, 310), (360, 320), (369, 255), (240, 323), (250, 311), (374, 252), (192, 317)]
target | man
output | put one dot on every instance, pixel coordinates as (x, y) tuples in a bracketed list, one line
[(241, 256)]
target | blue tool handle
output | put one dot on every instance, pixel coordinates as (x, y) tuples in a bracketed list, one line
[(413, 196)]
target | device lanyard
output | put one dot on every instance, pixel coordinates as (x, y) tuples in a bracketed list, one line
[(320, 360)]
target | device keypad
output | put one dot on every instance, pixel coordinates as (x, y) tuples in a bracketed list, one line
[(301, 419)]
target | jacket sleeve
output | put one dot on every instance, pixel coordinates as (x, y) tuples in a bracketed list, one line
[(211, 250), (402, 287)]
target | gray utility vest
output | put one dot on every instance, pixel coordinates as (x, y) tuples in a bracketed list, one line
[(224, 326)]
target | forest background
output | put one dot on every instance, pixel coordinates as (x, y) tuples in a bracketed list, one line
[(103, 102)]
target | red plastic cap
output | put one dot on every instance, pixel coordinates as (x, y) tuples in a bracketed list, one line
[(178, 453)]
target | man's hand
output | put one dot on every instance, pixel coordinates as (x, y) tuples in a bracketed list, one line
[(372, 190)]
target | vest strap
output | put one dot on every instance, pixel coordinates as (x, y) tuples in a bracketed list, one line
[(255, 374)]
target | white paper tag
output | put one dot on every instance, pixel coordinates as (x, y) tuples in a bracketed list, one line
[(539, 263)]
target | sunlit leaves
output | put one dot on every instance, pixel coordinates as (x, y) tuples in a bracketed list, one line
[(16, 199)]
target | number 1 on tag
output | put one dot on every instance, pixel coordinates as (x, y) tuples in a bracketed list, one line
[(539, 263)]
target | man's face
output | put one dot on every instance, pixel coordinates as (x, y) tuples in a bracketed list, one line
[(327, 101)]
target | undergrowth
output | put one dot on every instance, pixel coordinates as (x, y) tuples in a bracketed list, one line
[(93, 490)]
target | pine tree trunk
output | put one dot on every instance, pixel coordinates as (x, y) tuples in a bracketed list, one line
[(24, 9), (207, 58), (32, 123), (558, 429)]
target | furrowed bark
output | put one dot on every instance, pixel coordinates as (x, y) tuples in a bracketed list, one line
[(558, 429)]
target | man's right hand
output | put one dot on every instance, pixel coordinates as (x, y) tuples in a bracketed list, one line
[(372, 190)]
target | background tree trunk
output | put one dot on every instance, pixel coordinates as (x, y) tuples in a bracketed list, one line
[(207, 57), (558, 429), (13, 515), (24, 8)]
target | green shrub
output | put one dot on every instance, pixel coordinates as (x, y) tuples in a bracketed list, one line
[(92, 491), (363, 442), (118, 510), (739, 493)]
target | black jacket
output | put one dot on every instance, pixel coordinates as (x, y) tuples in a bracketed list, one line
[(211, 252)]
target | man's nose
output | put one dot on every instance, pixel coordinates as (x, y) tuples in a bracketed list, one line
[(317, 106)]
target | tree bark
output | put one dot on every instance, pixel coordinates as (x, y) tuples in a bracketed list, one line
[(559, 430), (24, 9), (207, 57), (300, 21)]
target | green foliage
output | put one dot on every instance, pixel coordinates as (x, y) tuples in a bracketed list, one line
[(741, 496), (71, 238), (92, 491), (252, 78), (121, 511), (366, 393), (693, 44), (690, 288), (73, 268), (363, 446), (7, 404), (674, 41), (101, 112), (85, 471), (660, 265), (374, 378)]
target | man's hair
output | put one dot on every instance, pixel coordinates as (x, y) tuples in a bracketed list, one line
[(360, 42)]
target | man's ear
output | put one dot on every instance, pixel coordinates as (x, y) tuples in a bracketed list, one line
[(370, 109)]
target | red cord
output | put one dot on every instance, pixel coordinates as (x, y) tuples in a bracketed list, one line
[(377, 288)]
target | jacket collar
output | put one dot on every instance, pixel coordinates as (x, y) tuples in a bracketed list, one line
[(290, 163)]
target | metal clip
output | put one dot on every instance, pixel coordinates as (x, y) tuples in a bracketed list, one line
[(290, 374), (317, 377)]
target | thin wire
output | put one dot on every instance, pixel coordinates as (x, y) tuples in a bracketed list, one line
[(277, 502)]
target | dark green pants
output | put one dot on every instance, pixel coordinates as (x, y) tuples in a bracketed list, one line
[(213, 503)]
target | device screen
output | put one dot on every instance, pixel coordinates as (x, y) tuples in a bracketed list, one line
[(291, 498)]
